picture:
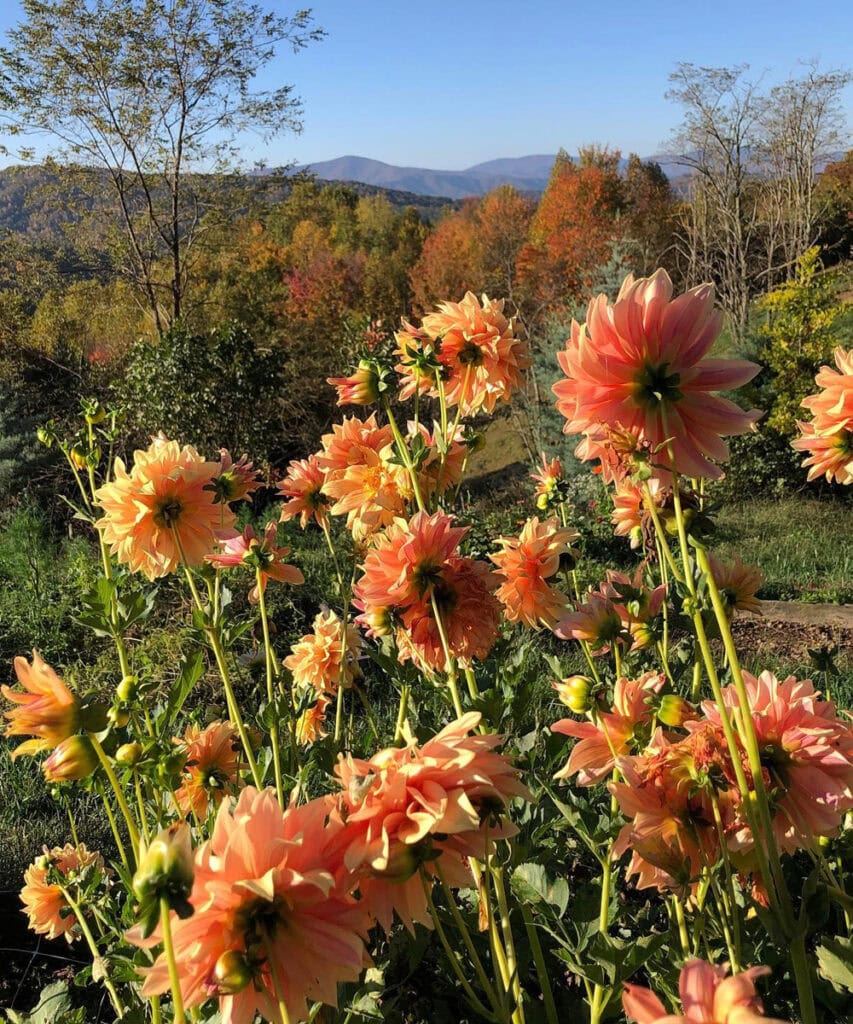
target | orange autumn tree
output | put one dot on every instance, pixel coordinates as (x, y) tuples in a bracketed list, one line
[(474, 248), (573, 228)]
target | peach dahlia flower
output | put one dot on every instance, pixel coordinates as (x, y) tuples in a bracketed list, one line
[(832, 406), (525, 565), (806, 754), (318, 659), (828, 438), (482, 358), (212, 767), (738, 584), (610, 734), (409, 805), (263, 554), (269, 892), (303, 490), (639, 365), (44, 903), (164, 510), (708, 996), (47, 710)]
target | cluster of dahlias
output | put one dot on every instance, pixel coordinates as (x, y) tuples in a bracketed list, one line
[(678, 785), (622, 611), (282, 900), (438, 604), (828, 438)]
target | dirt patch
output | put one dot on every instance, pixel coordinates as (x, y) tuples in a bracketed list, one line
[(789, 637)]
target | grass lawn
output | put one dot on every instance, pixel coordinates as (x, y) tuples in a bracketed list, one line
[(801, 545)]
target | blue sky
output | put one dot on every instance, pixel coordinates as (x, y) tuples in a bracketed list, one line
[(447, 85)]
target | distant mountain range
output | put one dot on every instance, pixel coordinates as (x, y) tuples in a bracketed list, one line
[(526, 173)]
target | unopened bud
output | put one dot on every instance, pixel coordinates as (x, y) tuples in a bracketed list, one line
[(128, 754), (166, 868), (73, 759), (78, 457), (675, 711), (575, 692), (231, 973), (126, 689), (119, 717)]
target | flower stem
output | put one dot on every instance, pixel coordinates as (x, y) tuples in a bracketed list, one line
[(449, 659), (169, 952), (93, 949), (405, 690), (405, 455), (450, 953), (541, 966), (274, 735), (132, 830)]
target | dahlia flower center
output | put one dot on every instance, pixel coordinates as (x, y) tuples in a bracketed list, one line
[(167, 511), (427, 575), (655, 385), (776, 760), (470, 354), (843, 444), (260, 919)]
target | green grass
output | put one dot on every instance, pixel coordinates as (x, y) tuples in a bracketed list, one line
[(801, 545)]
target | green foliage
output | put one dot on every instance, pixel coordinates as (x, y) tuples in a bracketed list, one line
[(801, 332), (21, 456), (210, 390)]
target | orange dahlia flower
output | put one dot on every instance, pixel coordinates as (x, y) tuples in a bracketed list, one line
[(318, 659), (248, 549), (235, 480), (483, 360), (212, 767), (630, 514), (303, 489), (47, 710), (407, 558), (806, 754), (270, 895), (738, 584), (667, 794), (370, 492), (343, 446), (639, 365), (433, 477), (470, 616), (830, 455), (309, 725), (610, 734), (832, 406), (547, 476), (417, 364), (596, 621), (525, 565), (73, 759), (708, 996), (407, 806), (44, 903), (164, 511)]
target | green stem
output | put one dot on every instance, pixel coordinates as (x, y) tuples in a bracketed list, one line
[(683, 937), (509, 942), (541, 966), (450, 953), (93, 949), (462, 928), (405, 455), (115, 830), (271, 699), (450, 666), (169, 953), (132, 830), (405, 690)]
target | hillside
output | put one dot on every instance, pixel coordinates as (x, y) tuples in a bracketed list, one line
[(35, 204)]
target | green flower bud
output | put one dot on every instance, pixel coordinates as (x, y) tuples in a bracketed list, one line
[(126, 689), (674, 710), (575, 693), (128, 754), (166, 868), (231, 973)]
